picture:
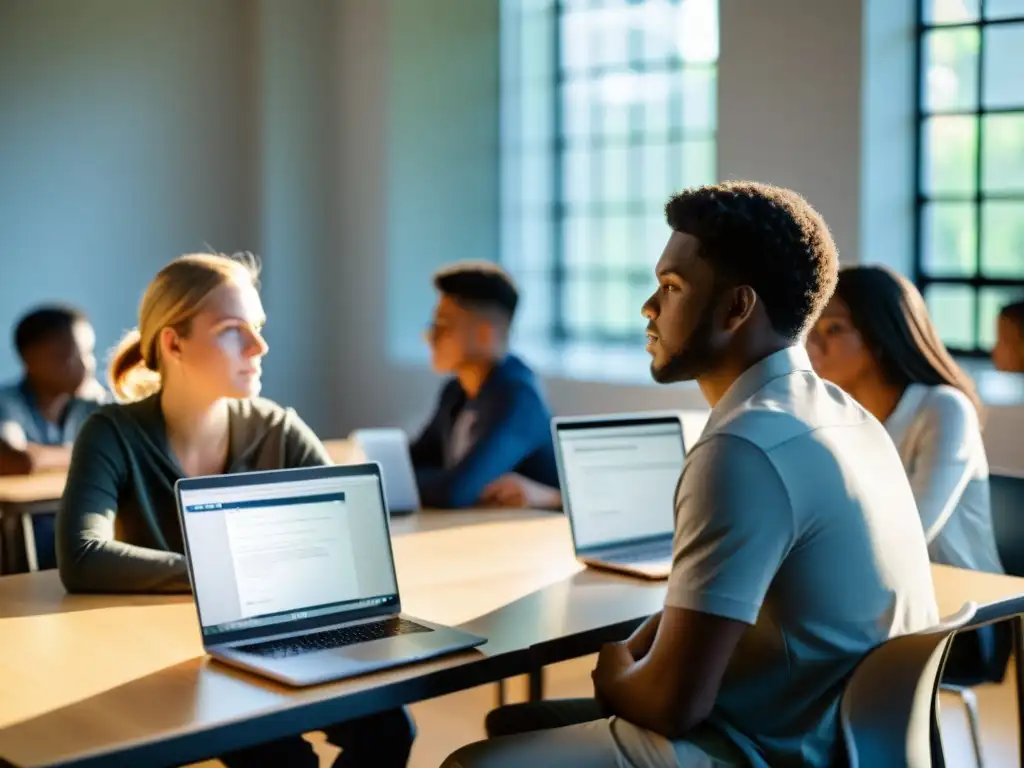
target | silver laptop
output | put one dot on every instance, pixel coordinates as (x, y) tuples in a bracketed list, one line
[(390, 448), (294, 575), (618, 475)]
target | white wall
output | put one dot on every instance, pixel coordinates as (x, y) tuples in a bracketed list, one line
[(419, 176), (299, 119), (126, 138), (354, 144), (789, 103), (887, 133), (132, 132)]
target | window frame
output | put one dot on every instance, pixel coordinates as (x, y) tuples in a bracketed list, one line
[(977, 280), (561, 328)]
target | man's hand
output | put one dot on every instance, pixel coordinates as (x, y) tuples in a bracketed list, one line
[(613, 662), (507, 491), (514, 491)]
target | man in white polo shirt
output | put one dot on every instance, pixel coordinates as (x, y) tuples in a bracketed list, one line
[(798, 546)]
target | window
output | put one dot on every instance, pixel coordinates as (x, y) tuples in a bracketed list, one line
[(970, 210), (608, 107)]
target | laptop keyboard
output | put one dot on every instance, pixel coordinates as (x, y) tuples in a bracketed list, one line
[(643, 553), (333, 638)]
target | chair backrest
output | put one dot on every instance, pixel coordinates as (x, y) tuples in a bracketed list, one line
[(887, 710), (1007, 493)]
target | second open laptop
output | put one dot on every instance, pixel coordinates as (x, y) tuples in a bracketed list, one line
[(389, 447), (294, 575), (618, 475)]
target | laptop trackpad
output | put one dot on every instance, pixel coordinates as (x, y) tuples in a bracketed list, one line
[(398, 648), (351, 660)]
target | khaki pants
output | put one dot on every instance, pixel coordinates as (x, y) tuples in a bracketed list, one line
[(573, 733)]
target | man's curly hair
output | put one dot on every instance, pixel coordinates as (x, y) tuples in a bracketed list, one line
[(768, 238)]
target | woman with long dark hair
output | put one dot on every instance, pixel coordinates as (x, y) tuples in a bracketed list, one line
[(876, 340)]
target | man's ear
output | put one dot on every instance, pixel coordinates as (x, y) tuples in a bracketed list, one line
[(742, 301), (486, 334)]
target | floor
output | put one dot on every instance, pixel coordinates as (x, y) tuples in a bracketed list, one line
[(449, 722)]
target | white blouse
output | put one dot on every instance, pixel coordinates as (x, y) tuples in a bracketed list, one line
[(938, 434)]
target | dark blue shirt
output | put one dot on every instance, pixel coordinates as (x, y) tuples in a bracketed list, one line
[(505, 428)]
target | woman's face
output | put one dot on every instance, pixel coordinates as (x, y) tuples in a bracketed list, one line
[(221, 356), (837, 350), (1008, 353)]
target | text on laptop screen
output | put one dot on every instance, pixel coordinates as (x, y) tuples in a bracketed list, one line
[(283, 551), (620, 479)]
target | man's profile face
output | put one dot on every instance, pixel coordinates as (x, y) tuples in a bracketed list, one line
[(65, 360), (455, 336), (680, 313)]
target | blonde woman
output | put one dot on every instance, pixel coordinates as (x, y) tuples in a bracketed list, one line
[(188, 380)]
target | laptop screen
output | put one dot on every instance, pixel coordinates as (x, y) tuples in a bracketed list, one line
[(619, 478), (275, 552)]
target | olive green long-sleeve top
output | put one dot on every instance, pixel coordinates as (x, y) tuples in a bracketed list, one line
[(118, 527)]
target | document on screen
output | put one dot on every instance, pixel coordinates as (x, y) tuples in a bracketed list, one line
[(291, 556), (621, 487)]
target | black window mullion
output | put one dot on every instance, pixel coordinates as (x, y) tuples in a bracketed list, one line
[(979, 146), (558, 329), (919, 162)]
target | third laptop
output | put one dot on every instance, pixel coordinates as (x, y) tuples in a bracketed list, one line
[(618, 475)]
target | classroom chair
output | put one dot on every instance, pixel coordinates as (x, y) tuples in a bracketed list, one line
[(889, 710)]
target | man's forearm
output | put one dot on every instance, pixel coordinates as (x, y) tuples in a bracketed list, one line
[(48, 457), (629, 698), (643, 698)]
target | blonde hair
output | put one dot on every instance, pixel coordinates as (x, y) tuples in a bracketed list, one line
[(172, 300)]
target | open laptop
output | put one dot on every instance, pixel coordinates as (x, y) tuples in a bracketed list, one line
[(390, 448), (618, 475), (294, 575)]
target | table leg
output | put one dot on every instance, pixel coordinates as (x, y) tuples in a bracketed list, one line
[(29, 532), (1018, 667), (537, 684)]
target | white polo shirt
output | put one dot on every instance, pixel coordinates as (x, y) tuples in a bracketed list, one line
[(938, 435), (794, 515)]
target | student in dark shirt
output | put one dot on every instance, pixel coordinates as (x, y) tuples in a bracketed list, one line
[(188, 379), (491, 419), (1008, 353), (40, 415)]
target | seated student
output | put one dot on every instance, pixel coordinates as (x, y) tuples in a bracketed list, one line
[(41, 414), (188, 379), (876, 341), (1008, 353), (491, 419), (797, 547)]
